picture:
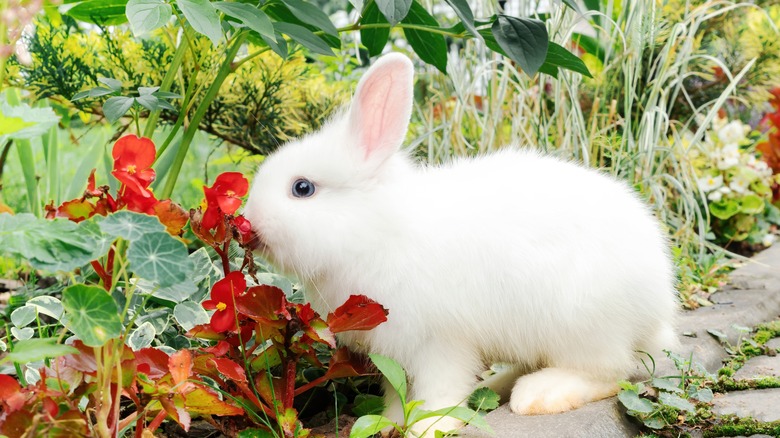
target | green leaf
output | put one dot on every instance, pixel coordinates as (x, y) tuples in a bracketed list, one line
[(463, 10), (653, 422), (751, 204), (667, 385), (310, 14), (147, 15), (368, 404), (463, 414), (49, 306), (703, 395), (369, 425), (374, 39), (33, 350), (141, 337), (394, 10), (91, 314), (103, 12), (101, 242), (483, 399), (558, 56), (111, 83), (130, 225), (176, 293), (149, 102), (524, 40), (305, 37), (393, 372), (278, 44), (22, 334), (724, 209), (160, 258), (633, 402), (189, 314), (255, 433), (430, 47), (249, 16), (202, 266), (24, 122), (116, 107), (50, 245), (203, 17), (94, 92), (23, 316), (676, 402)]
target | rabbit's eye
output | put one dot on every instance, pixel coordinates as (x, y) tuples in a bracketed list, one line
[(302, 188)]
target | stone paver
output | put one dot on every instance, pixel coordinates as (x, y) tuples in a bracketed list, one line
[(758, 367), (774, 343), (751, 299), (761, 404)]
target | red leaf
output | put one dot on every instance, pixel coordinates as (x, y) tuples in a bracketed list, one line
[(156, 361), (171, 215), (180, 366), (230, 369), (358, 313), (84, 362), (11, 393), (202, 400), (51, 408), (178, 414), (76, 210), (264, 302), (16, 424), (345, 364), (205, 331), (218, 350)]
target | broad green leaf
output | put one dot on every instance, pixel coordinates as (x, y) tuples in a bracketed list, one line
[(176, 292), (103, 12), (430, 47), (101, 242), (160, 258), (147, 15), (655, 422), (24, 122), (149, 102), (394, 10), (666, 384), (304, 37), (558, 56), (249, 16), (633, 402), (724, 209), (49, 306), (141, 337), (483, 399), (573, 5), (94, 92), (91, 314), (23, 316), (203, 17), (50, 245), (676, 402), (189, 314), (524, 40), (278, 44), (368, 404), (130, 225), (369, 425), (704, 395), (393, 372), (202, 266), (22, 334), (145, 91), (310, 14), (37, 349), (463, 10), (114, 84), (463, 414), (374, 39), (751, 204), (116, 107)]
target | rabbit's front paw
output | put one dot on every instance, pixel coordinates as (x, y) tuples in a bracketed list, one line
[(554, 390)]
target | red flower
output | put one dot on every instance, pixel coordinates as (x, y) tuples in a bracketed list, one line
[(244, 229), (223, 198), (133, 158), (223, 296)]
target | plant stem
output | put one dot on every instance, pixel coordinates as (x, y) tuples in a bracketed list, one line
[(225, 69), (165, 85)]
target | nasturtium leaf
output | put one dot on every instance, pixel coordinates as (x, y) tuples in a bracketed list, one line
[(368, 404), (141, 337), (304, 37), (633, 402), (50, 245), (23, 316), (22, 334), (676, 402), (483, 399), (374, 39), (93, 92), (147, 15), (103, 12), (176, 292), (47, 305), (369, 425), (393, 372), (429, 46), (203, 17), (24, 122), (463, 10), (36, 349), (115, 107), (558, 56), (189, 314), (524, 40), (249, 16), (724, 209), (311, 14), (394, 10), (91, 314), (130, 225), (160, 258), (101, 242)]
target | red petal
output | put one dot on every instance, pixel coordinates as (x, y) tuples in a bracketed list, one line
[(132, 150), (229, 287), (228, 204), (358, 313), (172, 216), (224, 320), (233, 181)]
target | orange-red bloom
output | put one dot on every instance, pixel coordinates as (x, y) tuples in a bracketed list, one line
[(223, 296), (223, 198), (133, 158)]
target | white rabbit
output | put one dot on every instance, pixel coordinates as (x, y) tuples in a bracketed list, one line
[(510, 257)]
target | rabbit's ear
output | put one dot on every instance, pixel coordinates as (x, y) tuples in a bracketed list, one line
[(382, 106)]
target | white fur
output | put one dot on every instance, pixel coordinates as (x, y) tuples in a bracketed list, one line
[(512, 257)]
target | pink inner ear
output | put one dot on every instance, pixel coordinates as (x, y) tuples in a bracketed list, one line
[(382, 107)]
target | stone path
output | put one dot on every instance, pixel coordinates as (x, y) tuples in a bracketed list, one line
[(752, 298)]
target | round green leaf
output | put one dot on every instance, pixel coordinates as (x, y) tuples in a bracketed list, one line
[(430, 47), (676, 402), (141, 337), (159, 258), (116, 107), (524, 40), (130, 225), (189, 314), (176, 292), (724, 209), (203, 18), (483, 399), (751, 204), (22, 316), (147, 15), (91, 314), (633, 402), (22, 334)]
